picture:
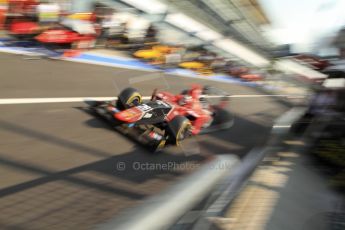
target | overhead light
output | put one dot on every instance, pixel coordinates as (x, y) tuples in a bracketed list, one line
[(185, 23), (148, 6), (208, 35), (294, 67), (241, 51), (334, 83), (190, 25)]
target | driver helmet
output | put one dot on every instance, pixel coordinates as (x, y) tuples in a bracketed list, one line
[(186, 99)]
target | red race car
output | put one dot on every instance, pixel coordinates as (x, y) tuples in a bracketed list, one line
[(76, 33), (19, 19), (166, 118)]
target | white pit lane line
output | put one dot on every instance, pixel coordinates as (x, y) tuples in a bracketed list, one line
[(12, 101)]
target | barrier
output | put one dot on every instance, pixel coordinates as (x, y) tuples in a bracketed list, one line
[(237, 180)]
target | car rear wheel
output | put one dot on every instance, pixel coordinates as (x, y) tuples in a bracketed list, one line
[(128, 98), (179, 129)]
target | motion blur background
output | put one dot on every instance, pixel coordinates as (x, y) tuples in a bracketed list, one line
[(282, 62)]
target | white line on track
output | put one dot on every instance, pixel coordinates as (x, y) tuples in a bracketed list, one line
[(9, 101), (53, 100), (281, 126)]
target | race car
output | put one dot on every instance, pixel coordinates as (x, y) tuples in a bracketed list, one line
[(19, 19), (165, 118), (72, 33)]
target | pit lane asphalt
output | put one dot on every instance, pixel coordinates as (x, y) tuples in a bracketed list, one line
[(61, 168)]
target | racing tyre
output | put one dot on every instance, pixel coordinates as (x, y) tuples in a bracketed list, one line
[(222, 119), (128, 98), (179, 129)]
